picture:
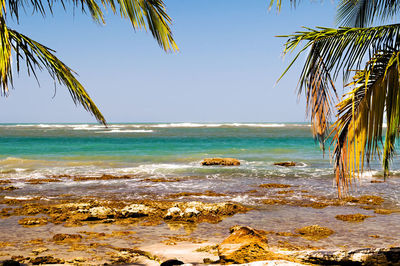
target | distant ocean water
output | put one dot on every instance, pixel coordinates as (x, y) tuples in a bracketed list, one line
[(174, 151)]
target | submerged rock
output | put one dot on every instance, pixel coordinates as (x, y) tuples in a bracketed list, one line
[(67, 237), (366, 199), (274, 185), (314, 232), (357, 217), (221, 161)]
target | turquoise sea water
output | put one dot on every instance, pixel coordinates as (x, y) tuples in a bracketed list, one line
[(170, 150), (174, 151)]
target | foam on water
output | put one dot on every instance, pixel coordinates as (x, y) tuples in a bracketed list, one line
[(126, 131)]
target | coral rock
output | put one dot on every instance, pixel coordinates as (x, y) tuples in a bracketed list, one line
[(190, 212), (136, 210), (100, 213), (174, 212)]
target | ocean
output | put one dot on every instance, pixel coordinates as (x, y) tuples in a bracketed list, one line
[(174, 151)]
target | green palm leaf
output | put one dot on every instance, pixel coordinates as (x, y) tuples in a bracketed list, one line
[(143, 14), (362, 13)]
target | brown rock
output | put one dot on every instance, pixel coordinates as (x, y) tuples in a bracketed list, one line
[(221, 161), (8, 188), (274, 185), (314, 232), (45, 260), (286, 164), (33, 221), (10, 263), (384, 211), (67, 237), (363, 256), (100, 213), (245, 244), (358, 217), (366, 199)]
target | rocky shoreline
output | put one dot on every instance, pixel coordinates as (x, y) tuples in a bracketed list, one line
[(101, 231)]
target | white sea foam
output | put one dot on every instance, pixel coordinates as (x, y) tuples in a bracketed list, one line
[(157, 168), (240, 198), (19, 198), (184, 125), (156, 125), (127, 131)]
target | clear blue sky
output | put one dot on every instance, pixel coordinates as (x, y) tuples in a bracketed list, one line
[(225, 71)]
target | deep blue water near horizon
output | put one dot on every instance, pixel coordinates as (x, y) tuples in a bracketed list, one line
[(174, 151)]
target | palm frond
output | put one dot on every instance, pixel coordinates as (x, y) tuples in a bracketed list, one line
[(5, 56), (143, 14), (344, 48), (362, 13), (278, 3), (39, 57), (45, 7), (357, 133), (318, 87), (331, 51)]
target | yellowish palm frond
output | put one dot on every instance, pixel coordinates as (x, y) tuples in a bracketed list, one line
[(5, 56), (358, 131)]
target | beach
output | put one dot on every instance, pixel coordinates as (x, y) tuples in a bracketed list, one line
[(139, 194)]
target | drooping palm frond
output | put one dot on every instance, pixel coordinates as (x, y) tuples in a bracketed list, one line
[(143, 14), (362, 13), (318, 87), (147, 14), (357, 133), (38, 57), (331, 51)]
